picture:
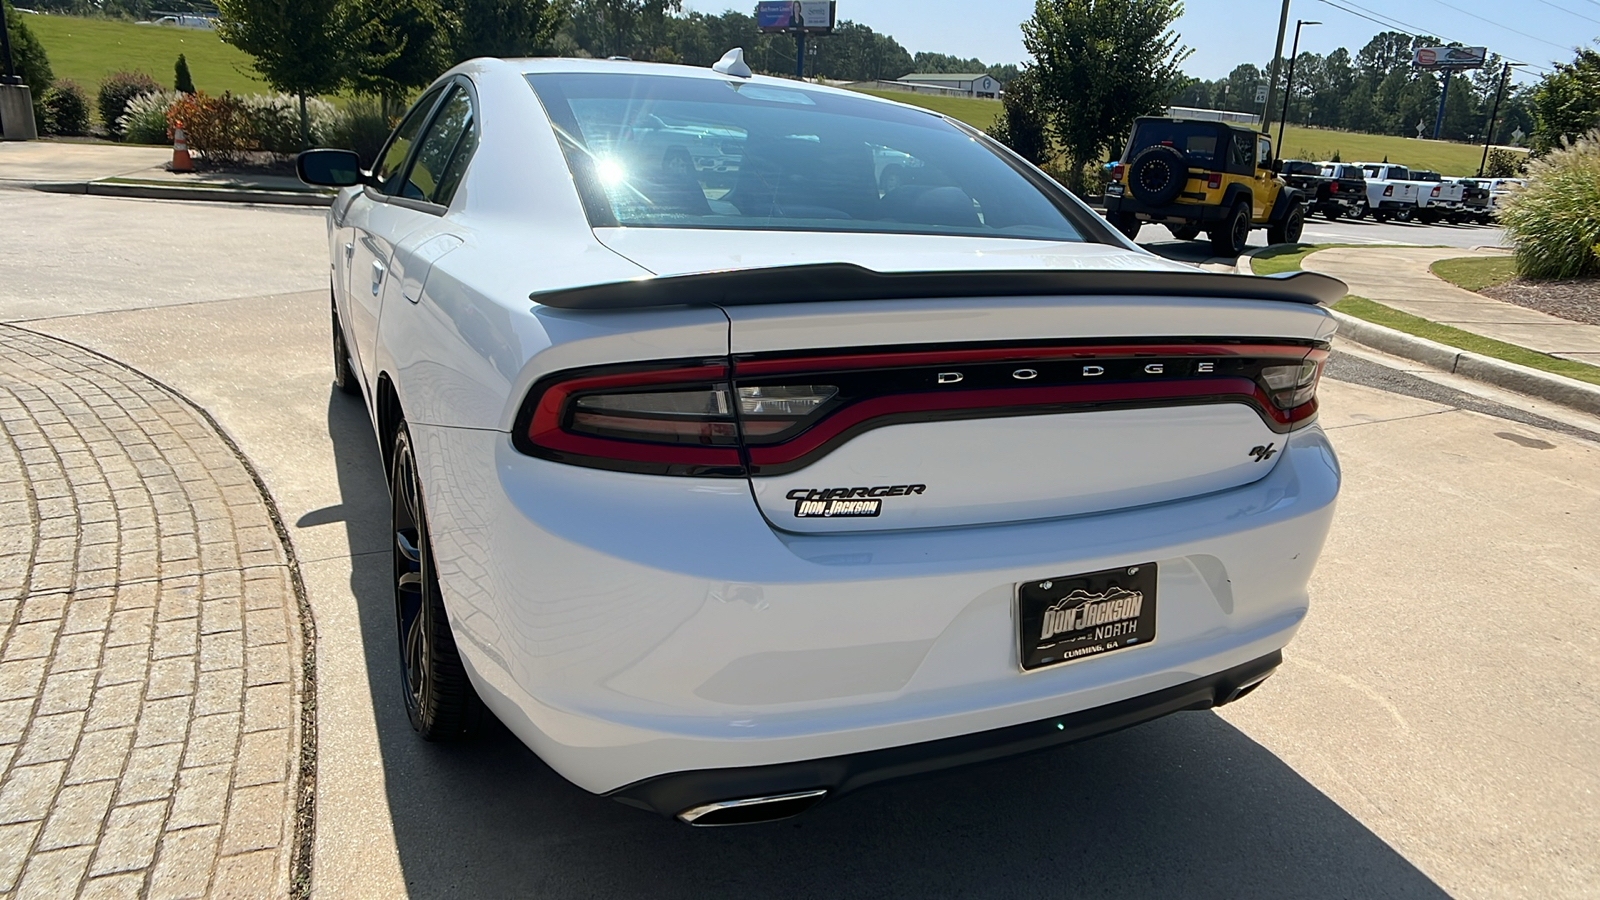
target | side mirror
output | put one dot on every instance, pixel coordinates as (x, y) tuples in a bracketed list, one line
[(329, 168)]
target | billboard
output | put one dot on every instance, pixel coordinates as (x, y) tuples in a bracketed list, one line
[(1453, 58), (789, 16)]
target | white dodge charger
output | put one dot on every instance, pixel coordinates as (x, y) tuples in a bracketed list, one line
[(732, 474)]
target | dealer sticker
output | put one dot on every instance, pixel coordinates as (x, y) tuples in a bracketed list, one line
[(847, 502)]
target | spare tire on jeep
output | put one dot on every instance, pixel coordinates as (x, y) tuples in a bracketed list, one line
[(1157, 174)]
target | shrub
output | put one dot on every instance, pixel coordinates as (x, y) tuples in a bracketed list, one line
[(1554, 222), (144, 120), (66, 109), (274, 122), (29, 58), (1503, 164), (182, 81), (363, 128), (115, 92), (217, 128)]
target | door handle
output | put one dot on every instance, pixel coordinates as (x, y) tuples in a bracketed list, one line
[(377, 277), (349, 250)]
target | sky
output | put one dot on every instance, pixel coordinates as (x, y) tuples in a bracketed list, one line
[(1225, 33)]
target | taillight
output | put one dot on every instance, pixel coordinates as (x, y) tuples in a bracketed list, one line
[(1435, 192), (666, 419), (1116, 171), (1333, 187), (770, 413), (1388, 190), (1293, 389), (1215, 181)]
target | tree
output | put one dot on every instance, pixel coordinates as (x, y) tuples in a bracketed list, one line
[(1021, 124), (396, 46), (500, 27), (1566, 104), (298, 45), (29, 59), (1101, 64), (182, 81)]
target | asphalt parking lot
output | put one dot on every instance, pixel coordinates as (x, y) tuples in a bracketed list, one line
[(1319, 230), (1434, 731)]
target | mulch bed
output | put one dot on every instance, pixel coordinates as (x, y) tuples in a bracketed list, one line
[(1577, 299)]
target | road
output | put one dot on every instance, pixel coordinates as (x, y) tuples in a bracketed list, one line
[(1345, 231), (1434, 731)]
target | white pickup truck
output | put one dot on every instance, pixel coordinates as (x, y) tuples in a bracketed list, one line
[(1442, 200), (1391, 192)]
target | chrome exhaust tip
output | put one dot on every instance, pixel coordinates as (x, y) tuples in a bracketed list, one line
[(751, 810)]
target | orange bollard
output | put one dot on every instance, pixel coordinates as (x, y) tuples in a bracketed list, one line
[(181, 162)]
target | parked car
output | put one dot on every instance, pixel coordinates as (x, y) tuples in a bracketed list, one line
[(1500, 189), (1474, 201), (1333, 197), (1391, 191), (726, 502), (1444, 200), (1195, 175)]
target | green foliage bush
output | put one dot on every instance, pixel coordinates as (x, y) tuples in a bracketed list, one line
[(1021, 124), (217, 128), (1554, 222), (182, 81), (115, 92), (1503, 164), (29, 58), (274, 122), (144, 120), (363, 128), (66, 109)]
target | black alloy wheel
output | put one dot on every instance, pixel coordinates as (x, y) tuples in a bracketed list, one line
[(1157, 175), (440, 700), (1230, 237), (1289, 229), (344, 373)]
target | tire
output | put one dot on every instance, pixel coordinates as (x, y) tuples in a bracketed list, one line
[(1184, 232), (1405, 215), (1157, 175), (676, 163), (1288, 229), (1333, 213), (440, 701), (1359, 212), (1126, 223), (1230, 237), (344, 374)]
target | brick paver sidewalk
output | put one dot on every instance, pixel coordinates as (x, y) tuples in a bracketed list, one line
[(150, 643)]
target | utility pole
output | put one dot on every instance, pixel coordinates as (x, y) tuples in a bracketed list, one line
[(1488, 129), (1288, 88), (1272, 77)]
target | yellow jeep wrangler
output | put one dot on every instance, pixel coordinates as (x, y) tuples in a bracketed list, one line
[(1193, 175)]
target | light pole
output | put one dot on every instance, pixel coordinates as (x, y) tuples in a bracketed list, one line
[(1288, 87), (1272, 73), (1488, 130)]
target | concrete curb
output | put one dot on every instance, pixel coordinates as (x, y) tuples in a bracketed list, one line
[(183, 192), (1557, 389)]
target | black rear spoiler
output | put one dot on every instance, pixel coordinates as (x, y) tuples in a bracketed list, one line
[(845, 281)]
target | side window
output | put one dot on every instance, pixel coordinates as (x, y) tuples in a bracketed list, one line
[(395, 152), (1263, 149), (442, 156), (1243, 151)]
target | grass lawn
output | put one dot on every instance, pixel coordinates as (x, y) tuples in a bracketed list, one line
[(1439, 156), (977, 113), (87, 50), (1474, 273), (1288, 258)]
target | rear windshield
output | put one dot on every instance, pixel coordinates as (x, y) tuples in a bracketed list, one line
[(1396, 173), (1425, 176), (1199, 142), (665, 152), (1294, 167)]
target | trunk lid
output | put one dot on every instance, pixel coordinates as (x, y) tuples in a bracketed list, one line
[(951, 412)]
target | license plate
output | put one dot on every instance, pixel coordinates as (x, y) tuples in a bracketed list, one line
[(1078, 616), (1114, 189)]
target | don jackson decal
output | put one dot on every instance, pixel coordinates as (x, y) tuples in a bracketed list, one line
[(1107, 613), (847, 502)]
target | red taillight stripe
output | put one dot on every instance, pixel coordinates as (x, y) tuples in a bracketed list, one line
[(853, 361), (1243, 389)]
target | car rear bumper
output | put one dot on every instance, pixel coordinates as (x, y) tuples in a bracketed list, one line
[(1193, 213), (679, 792), (629, 626)]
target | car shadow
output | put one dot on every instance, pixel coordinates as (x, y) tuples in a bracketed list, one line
[(1184, 806)]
